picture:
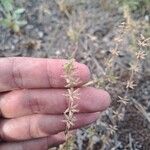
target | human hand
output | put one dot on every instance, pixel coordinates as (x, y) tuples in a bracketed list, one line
[(32, 102)]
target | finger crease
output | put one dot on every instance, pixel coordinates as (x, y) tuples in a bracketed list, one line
[(21, 78), (36, 107), (47, 74), (30, 133), (13, 74), (47, 143), (29, 102)]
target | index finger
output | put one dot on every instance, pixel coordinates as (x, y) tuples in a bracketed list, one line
[(23, 73)]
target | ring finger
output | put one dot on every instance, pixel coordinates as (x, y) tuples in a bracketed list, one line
[(38, 126), (38, 144)]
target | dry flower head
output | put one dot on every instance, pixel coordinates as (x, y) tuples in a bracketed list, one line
[(140, 55), (123, 100), (143, 42), (130, 84), (115, 52)]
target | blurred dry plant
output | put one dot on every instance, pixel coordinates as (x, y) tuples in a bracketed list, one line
[(134, 5), (65, 7), (76, 19), (76, 27), (105, 4)]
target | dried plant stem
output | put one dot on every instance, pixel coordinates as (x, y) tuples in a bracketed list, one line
[(72, 96), (141, 109)]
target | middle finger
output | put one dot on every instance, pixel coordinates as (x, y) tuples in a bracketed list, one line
[(50, 101)]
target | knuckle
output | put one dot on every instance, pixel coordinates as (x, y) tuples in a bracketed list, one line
[(3, 134), (30, 129), (35, 127), (48, 74)]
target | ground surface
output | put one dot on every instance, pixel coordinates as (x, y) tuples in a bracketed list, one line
[(45, 35)]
